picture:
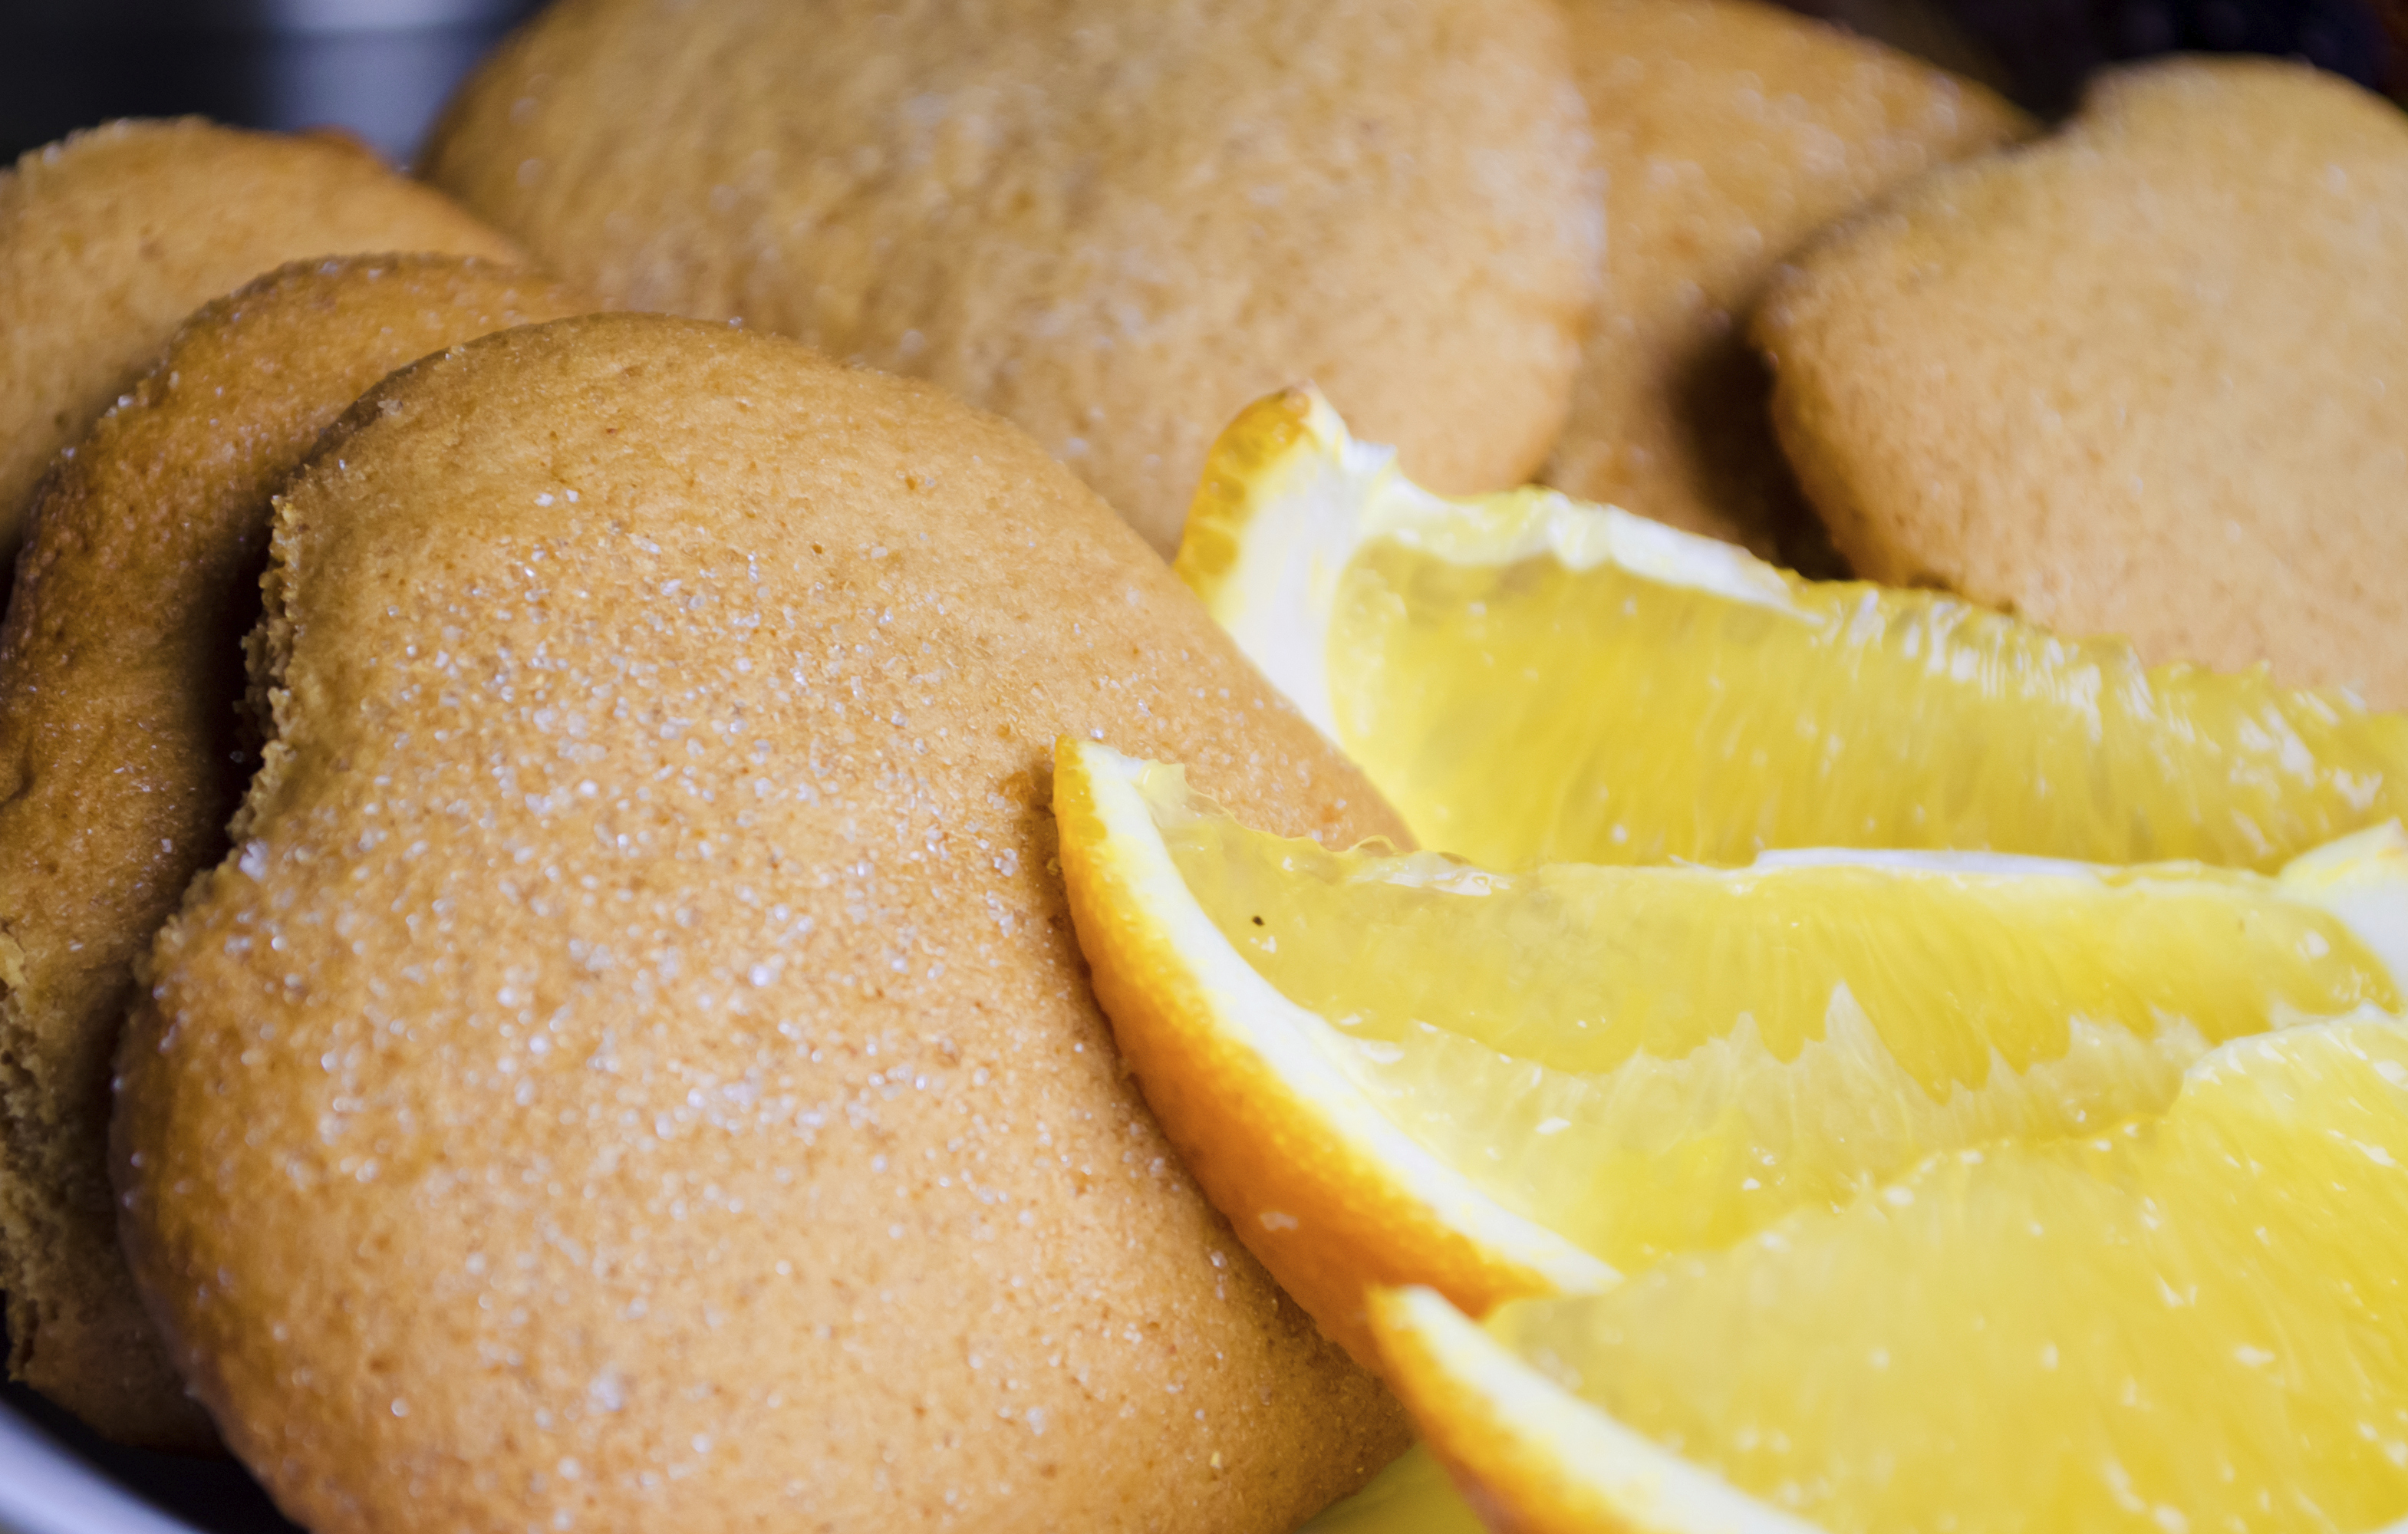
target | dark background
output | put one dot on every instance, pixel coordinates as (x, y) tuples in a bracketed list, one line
[(381, 67), (377, 67)]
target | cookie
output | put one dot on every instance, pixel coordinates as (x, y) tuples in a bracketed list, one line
[(2144, 378), (637, 1071), (1115, 226), (1730, 131), (110, 237), (121, 754)]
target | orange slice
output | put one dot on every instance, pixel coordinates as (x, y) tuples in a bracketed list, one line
[(1532, 679), (1407, 1069), (2189, 1322)]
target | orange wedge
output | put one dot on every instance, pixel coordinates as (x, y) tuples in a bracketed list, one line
[(2189, 1322), (1532, 679), (1392, 1070)]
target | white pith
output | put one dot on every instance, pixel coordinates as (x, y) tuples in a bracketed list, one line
[(2362, 878), (1315, 507), (1294, 1043)]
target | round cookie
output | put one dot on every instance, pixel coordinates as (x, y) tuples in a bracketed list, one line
[(121, 754), (1729, 131), (1113, 225), (2144, 378), (110, 237), (637, 1071)]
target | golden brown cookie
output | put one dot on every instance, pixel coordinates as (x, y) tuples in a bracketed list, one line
[(1729, 131), (2149, 377), (637, 1071), (109, 238), (1113, 225), (120, 754)]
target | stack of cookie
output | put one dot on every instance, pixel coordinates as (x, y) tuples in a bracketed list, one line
[(548, 834), (122, 752), (559, 796)]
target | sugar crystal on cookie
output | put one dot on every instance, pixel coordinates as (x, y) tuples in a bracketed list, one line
[(671, 993)]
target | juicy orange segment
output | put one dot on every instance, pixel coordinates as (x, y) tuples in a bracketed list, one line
[(2189, 1322), (1532, 679), (1393, 1069)]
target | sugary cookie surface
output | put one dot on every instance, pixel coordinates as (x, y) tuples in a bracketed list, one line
[(2139, 378), (636, 1066), (1112, 225), (1731, 131), (122, 750), (109, 238)]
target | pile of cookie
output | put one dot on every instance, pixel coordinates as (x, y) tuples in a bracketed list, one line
[(534, 990)]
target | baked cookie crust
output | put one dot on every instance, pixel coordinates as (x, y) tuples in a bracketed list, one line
[(2141, 377), (635, 1069), (110, 237), (1113, 225), (123, 752), (1729, 131)]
